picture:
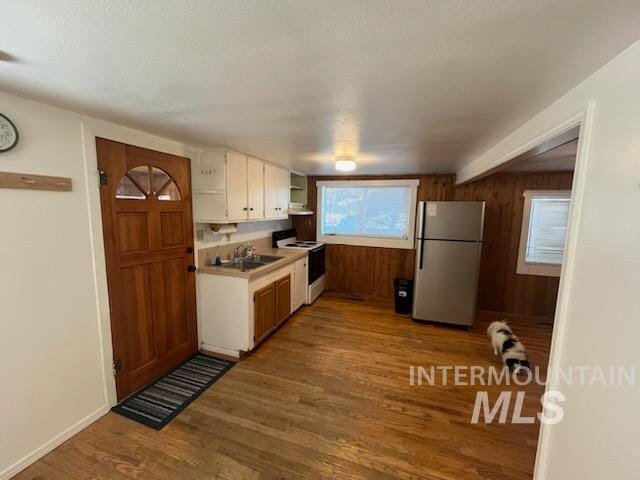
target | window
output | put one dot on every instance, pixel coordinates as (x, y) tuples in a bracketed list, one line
[(144, 182), (377, 213), (544, 230)]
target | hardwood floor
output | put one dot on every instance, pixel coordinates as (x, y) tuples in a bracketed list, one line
[(327, 396)]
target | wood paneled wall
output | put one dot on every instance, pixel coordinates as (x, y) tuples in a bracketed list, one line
[(370, 270), (500, 288)]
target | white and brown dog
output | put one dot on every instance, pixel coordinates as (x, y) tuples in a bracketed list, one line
[(507, 345)]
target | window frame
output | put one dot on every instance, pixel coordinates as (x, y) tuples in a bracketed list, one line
[(530, 268), (367, 240)]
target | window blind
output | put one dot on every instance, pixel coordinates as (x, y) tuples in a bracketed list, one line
[(547, 230)]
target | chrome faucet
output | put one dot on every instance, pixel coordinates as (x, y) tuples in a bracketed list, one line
[(240, 248)]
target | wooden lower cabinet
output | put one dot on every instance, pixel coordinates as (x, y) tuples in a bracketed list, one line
[(283, 299), (237, 313), (264, 311), (272, 306)]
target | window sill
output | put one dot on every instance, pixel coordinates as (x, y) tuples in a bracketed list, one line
[(539, 269), (367, 241)]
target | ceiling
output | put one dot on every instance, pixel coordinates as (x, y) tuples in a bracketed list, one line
[(559, 159), (405, 87)]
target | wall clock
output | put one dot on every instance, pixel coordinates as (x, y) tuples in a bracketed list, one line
[(8, 134)]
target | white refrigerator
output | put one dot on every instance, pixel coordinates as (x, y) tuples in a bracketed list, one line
[(448, 247)]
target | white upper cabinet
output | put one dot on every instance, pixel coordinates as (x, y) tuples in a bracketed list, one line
[(276, 192), (232, 187), (255, 188), (237, 197), (209, 177), (270, 191), (284, 185)]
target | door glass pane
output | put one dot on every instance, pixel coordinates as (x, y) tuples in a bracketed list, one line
[(140, 176), (127, 190), (170, 192), (140, 181), (158, 179)]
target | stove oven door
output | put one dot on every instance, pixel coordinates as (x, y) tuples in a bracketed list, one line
[(316, 264)]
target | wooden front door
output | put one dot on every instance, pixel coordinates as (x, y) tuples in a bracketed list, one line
[(148, 236)]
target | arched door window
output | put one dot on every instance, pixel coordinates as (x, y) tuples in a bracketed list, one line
[(147, 182)]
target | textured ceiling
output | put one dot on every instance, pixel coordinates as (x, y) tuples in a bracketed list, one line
[(405, 86)]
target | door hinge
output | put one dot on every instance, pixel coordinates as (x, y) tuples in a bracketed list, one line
[(102, 178), (117, 365)]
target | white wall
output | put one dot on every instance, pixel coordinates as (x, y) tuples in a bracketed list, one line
[(246, 231), (50, 360), (54, 322), (600, 321)]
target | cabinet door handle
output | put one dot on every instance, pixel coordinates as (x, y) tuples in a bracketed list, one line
[(251, 209), (245, 209)]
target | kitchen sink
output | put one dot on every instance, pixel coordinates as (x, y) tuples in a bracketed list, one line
[(242, 264), (264, 258), (250, 263)]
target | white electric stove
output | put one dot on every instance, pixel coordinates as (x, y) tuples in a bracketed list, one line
[(316, 260)]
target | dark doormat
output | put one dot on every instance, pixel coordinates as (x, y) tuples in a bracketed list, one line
[(161, 401)]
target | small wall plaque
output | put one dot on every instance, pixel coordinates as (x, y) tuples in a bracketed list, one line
[(34, 182)]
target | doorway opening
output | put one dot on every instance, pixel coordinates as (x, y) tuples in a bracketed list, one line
[(527, 216), (529, 212)]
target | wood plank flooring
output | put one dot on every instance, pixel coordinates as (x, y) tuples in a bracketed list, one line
[(327, 396)]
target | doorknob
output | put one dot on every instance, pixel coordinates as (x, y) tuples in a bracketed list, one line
[(189, 249), (191, 268)]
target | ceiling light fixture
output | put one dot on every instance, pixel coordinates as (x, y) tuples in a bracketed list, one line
[(345, 164)]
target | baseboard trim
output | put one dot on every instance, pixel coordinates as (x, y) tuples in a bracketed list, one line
[(232, 354), (532, 318), (55, 442)]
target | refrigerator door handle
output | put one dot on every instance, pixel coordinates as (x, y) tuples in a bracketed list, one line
[(421, 254), (422, 207)]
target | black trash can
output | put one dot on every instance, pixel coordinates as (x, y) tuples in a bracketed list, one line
[(403, 295)]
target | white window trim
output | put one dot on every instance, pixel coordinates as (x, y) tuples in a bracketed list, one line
[(370, 241), (528, 268)]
